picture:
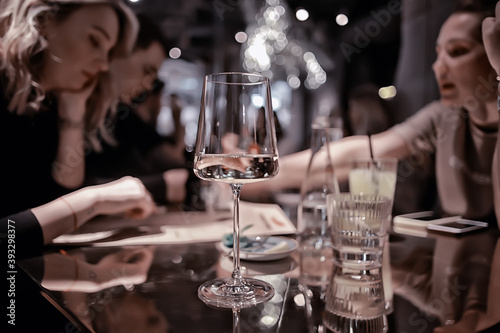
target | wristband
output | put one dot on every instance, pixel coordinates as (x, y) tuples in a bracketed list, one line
[(75, 219)]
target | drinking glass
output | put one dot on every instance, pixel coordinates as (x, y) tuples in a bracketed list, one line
[(374, 176), (236, 144), (359, 224)]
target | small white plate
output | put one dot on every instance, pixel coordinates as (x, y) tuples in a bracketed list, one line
[(273, 248)]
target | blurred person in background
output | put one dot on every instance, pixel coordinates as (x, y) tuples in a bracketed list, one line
[(136, 148), (459, 131)]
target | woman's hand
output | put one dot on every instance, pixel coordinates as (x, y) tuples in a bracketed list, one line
[(72, 104), (491, 38), (125, 195)]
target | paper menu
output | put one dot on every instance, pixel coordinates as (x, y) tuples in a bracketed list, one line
[(179, 227)]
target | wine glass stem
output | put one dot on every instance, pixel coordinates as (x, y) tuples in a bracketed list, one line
[(236, 189), (236, 320)]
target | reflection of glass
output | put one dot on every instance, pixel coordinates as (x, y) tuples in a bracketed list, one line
[(314, 297), (236, 144), (355, 301)]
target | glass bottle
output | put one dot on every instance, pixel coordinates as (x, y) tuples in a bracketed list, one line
[(312, 222), (315, 245)]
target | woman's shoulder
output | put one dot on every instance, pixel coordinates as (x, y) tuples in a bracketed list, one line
[(434, 108), (435, 112)]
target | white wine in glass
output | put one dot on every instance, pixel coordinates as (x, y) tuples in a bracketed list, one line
[(236, 144)]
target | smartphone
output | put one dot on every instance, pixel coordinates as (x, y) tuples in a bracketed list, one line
[(422, 218), (458, 227), (416, 223)]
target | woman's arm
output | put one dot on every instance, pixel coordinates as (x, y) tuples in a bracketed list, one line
[(69, 212), (68, 169), (293, 167), (491, 38), (66, 272)]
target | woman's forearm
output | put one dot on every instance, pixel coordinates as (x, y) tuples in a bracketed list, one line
[(293, 167), (126, 195), (68, 168), (65, 214)]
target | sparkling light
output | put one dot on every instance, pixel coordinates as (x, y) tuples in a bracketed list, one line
[(269, 320), (294, 82), (241, 37), (387, 92), (302, 14), (299, 300), (276, 103), (268, 46), (257, 101), (175, 53), (342, 19)]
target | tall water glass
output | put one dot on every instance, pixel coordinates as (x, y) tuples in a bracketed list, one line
[(373, 176), (377, 176)]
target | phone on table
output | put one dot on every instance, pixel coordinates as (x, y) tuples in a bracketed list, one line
[(422, 218), (416, 223), (458, 227)]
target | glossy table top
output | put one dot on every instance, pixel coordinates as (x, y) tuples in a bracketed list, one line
[(441, 283)]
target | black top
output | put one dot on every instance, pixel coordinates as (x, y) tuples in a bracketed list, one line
[(134, 139), (129, 156), (28, 146), (21, 236)]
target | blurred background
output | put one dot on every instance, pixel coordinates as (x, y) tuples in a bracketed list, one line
[(324, 58)]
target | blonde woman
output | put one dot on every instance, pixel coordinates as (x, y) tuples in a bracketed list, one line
[(54, 56)]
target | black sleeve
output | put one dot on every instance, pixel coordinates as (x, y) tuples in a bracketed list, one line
[(131, 131), (21, 233), (156, 185)]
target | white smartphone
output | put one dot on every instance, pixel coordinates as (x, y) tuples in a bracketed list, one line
[(458, 227), (422, 218), (416, 223)]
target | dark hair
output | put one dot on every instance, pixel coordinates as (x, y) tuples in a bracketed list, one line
[(149, 33), (484, 8)]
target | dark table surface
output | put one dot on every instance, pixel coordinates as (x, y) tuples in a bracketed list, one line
[(441, 283)]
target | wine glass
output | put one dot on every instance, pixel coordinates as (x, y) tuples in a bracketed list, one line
[(236, 144)]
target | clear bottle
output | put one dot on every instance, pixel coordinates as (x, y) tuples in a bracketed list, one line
[(312, 221)]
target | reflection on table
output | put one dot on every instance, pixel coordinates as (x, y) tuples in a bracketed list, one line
[(441, 283)]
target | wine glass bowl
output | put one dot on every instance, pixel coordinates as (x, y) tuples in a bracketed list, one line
[(236, 144)]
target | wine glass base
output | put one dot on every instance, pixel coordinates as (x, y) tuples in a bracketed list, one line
[(222, 293)]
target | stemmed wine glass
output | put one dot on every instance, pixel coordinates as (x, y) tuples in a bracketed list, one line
[(236, 144)]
